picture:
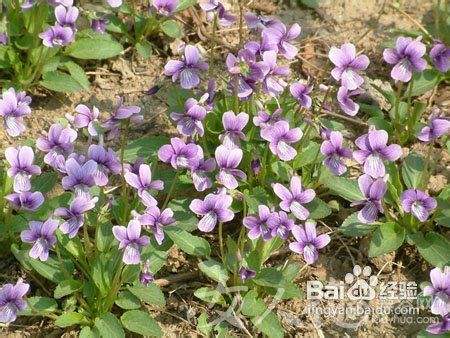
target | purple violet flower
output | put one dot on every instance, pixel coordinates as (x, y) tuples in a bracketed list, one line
[(14, 106), (99, 25), (190, 121), (42, 236), (12, 300), (73, 216), (211, 7), (143, 181), (66, 3), (255, 165), (418, 203), (114, 3), (26, 200), (439, 290), (233, 125), (200, 170), (260, 225), (440, 327), (214, 208), (165, 7), (227, 161), (300, 91), (373, 191), (281, 225), (280, 137), (120, 113), (440, 56), (259, 22), (334, 153), (292, 199), (307, 242), (59, 141), (188, 69), (437, 127), (344, 97), (107, 163), (246, 273), (347, 65), (264, 119), (22, 168), (131, 241), (272, 83), (85, 117), (373, 150), (145, 276), (4, 39), (27, 5), (79, 177), (278, 38), (407, 56), (66, 17), (179, 154), (154, 219), (56, 36)]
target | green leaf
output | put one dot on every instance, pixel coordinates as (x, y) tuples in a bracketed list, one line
[(354, 228), (270, 277), (60, 82), (104, 237), (343, 187), (318, 209), (109, 326), (386, 238), (39, 306), (308, 155), (185, 4), (44, 182), (251, 305), (126, 300), (214, 270), (256, 197), (210, 295), (94, 48), (150, 294), (70, 318), (283, 171), (144, 49), (67, 287), (172, 29), (269, 325), (309, 3), (424, 82), (412, 170), (87, 332), (51, 269), (146, 147), (77, 74), (190, 244), (141, 322), (202, 324), (185, 219), (434, 247)]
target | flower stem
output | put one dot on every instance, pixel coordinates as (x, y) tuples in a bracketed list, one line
[(172, 187), (220, 230), (124, 192)]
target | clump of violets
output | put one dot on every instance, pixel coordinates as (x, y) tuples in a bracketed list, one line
[(280, 138), (233, 125), (214, 8), (42, 236), (165, 7), (12, 300), (440, 56), (21, 167), (14, 106), (80, 177), (130, 241), (228, 161), (57, 144), (56, 36), (439, 290), (107, 163), (179, 154), (293, 199), (214, 208), (348, 65), (307, 242), (281, 225), (407, 58), (335, 153), (273, 83), (373, 191), (187, 69), (279, 38), (418, 203), (437, 127), (373, 150)]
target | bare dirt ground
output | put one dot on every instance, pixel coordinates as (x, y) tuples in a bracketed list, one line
[(367, 23)]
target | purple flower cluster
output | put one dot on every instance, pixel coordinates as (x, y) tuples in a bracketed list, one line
[(62, 33), (14, 106), (12, 300), (214, 8), (347, 68), (439, 291)]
